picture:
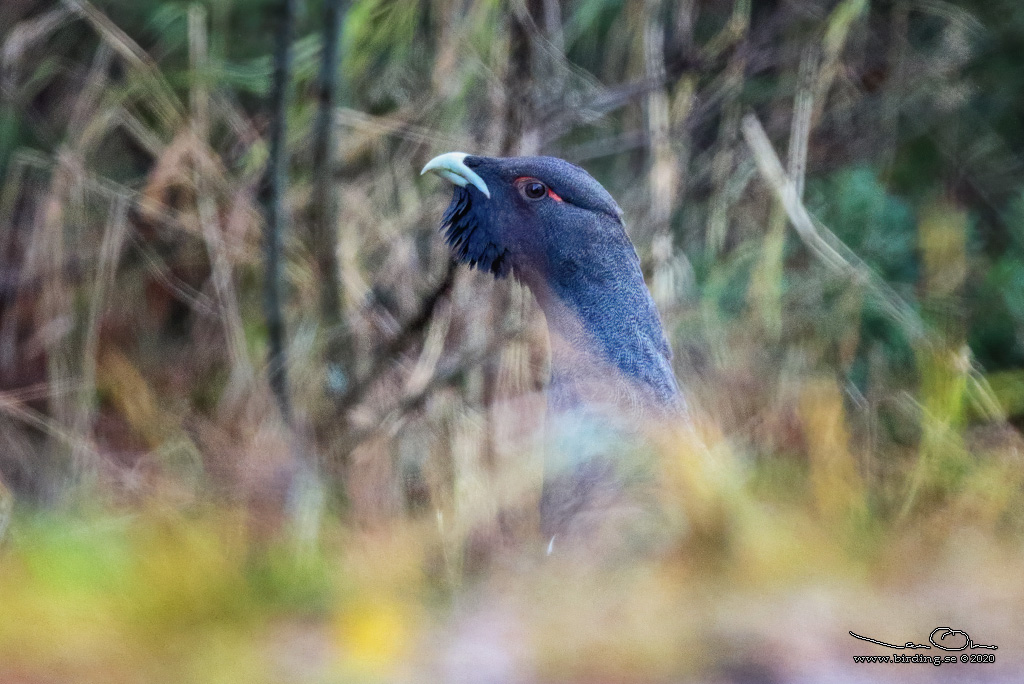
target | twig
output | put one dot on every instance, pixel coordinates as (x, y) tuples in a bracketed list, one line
[(819, 239), (225, 293), (111, 246), (6, 508), (723, 162), (23, 36), (837, 32), (803, 111), (400, 341), (838, 257), (166, 107), (324, 202), (17, 410), (277, 182), (447, 374), (663, 172), (305, 490)]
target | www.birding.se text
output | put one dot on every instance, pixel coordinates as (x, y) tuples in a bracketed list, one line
[(927, 659)]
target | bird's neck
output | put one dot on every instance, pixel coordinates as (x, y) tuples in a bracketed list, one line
[(606, 339)]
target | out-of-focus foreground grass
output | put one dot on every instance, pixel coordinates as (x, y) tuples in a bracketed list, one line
[(858, 383), (761, 583)]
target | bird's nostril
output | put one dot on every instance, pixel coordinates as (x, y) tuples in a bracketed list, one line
[(472, 162)]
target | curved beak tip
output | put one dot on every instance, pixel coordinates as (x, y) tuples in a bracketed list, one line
[(452, 166)]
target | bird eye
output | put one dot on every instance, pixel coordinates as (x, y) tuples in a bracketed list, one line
[(533, 189)]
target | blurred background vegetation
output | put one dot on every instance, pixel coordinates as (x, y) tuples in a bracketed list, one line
[(859, 381)]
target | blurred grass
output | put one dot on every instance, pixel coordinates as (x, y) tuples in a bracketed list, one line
[(859, 381), (157, 594)]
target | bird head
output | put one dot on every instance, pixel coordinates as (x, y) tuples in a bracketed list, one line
[(556, 229), (537, 217)]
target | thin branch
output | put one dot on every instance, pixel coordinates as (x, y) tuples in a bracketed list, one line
[(829, 249), (841, 259), (166, 105), (277, 182), (6, 508), (324, 204), (412, 399), (803, 110), (403, 339)]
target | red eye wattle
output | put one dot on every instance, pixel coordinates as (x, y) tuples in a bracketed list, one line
[(533, 189)]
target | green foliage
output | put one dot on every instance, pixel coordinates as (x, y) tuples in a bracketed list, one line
[(879, 227)]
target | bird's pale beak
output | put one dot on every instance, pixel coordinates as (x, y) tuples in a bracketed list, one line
[(451, 166)]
